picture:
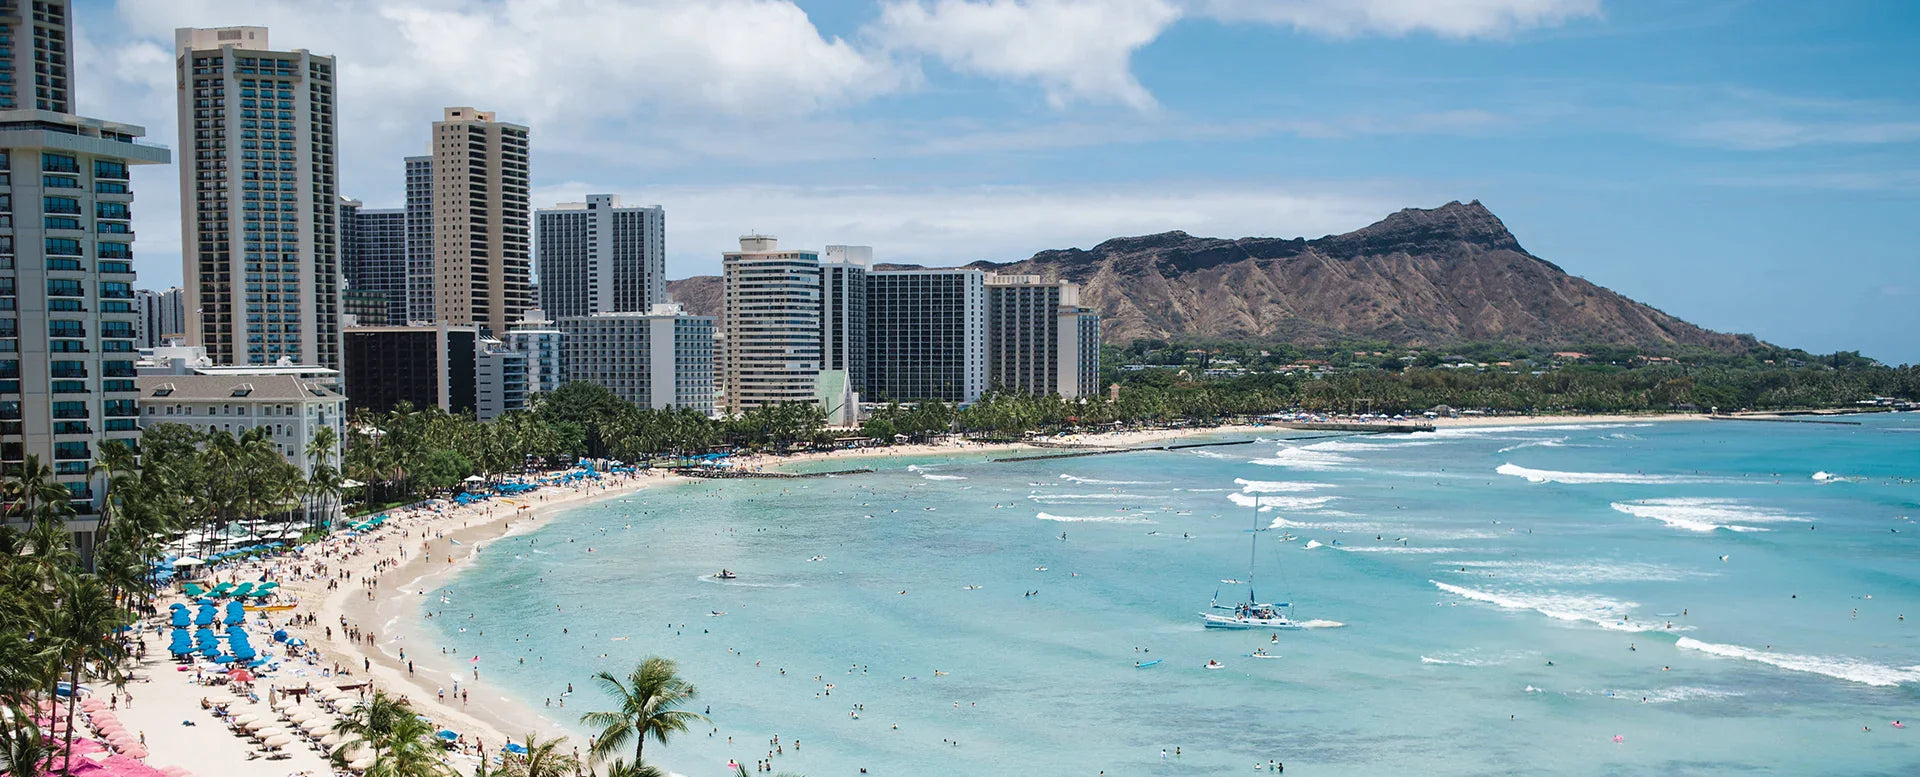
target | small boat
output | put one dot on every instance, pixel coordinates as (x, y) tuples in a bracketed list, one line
[(725, 574), (1215, 665), (1145, 664), (1261, 653), (1252, 613)]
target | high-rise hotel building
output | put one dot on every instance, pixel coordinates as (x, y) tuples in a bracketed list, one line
[(67, 312), (373, 256), (599, 257), (36, 68), (259, 204), (843, 312), (1039, 339), (926, 335), (420, 261), (481, 242), (771, 319)]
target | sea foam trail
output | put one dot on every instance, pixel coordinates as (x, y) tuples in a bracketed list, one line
[(1551, 476), (1600, 611), (1075, 498), (1276, 486), (1091, 518), (1553, 443), (1099, 482), (931, 476), (1849, 669), (1282, 502), (1304, 459), (1704, 515), (1571, 572)]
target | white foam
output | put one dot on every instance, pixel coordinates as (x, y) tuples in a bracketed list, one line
[(1276, 486), (1305, 459), (1091, 518), (1356, 445), (1551, 476), (1473, 658), (1097, 481), (1677, 693), (931, 476), (1320, 623), (1567, 572), (1600, 611), (1282, 502), (1553, 443), (1705, 515), (1073, 498), (1478, 431), (1202, 452), (1415, 549), (1849, 669)]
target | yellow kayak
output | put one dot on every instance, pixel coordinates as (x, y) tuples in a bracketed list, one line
[(270, 607)]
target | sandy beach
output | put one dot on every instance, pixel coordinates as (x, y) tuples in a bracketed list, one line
[(360, 607)]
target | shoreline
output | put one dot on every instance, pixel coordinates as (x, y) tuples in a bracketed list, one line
[(422, 549)]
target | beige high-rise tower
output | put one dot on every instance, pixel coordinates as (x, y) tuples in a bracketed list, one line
[(482, 253)]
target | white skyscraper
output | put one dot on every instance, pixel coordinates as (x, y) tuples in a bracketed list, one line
[(67, 315), (259, 207), (599, 257), (771, 318)]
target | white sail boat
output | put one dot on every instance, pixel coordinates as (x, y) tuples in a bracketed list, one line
[(1252, 613)]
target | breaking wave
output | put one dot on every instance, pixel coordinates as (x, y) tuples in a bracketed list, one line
[(1704, 515), (1281, 502), (1276, 486), (1849, 669), (1305, 459), (1099, 482), (1091, 518), (1599, 611), (1551, 476)]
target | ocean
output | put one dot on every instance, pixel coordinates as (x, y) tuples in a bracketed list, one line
[(1676, 598)]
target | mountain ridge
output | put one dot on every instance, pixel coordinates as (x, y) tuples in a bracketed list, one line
[(1417, 277)]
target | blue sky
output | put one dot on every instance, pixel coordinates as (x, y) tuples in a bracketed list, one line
[(1748, 166)]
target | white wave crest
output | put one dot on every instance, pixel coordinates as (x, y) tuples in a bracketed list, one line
[(1479, 431), (1282, 502), (1677, 693), (1474, 658), (1414, 549), (1099, 482), (1304, 459), (1277, 486), (1704, 515), (1551, 476), (1320, 623), (1204, 453), (1849, 669), (1356, 445), (1553, 443), (1074, 498), (1570, 572), (931, 476), (1600, 611), (1091, 518)]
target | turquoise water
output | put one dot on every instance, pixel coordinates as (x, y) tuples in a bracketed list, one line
[(1519, 628)]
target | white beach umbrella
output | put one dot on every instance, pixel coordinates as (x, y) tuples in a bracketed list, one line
[(330, 739), (244, 719), (278, 740), (316, 725), (301, 714), (361, 764), (187, 561), (258, 723)]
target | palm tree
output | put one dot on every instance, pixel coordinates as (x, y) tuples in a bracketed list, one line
[(79, 637), (542, 759), (23, 751), (402, 743), (649, 706), (621, 768)]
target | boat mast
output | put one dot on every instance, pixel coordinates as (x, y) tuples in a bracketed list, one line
[(1253, 550)]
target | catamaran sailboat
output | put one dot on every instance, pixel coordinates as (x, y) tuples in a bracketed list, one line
[(1252, 613)]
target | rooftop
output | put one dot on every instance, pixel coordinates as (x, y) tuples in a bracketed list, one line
[(258, 388)]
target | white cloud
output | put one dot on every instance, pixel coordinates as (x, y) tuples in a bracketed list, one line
[(1767, 134), (1445, 18), (1073, 49), (949, 226)]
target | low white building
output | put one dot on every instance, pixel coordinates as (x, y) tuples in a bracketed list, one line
[(545, 348), (659, 359), (291, 408)]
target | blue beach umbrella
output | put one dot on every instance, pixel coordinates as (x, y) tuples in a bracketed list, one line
[(447, 734), (516, 749), (181, 618)]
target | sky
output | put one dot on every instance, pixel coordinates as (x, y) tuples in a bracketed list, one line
[(1748, 166)]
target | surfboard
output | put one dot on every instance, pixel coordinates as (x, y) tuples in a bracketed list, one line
[(1145, 664)]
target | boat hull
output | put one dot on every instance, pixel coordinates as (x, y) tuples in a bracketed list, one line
[(1228, 622)]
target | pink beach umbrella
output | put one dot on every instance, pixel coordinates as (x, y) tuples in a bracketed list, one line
[(136, 751), (92, 704), (123, 766), (175, 771)]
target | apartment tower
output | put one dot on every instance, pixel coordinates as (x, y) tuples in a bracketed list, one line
[(373, 256), (926, 335), (36, 75), (771, 319), (420, 262), (68, 319), (599, 257), (259, 206), (1040, 340), (843, 312), (481, 243)]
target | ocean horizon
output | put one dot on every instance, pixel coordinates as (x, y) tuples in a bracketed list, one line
[(1696, 597)]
